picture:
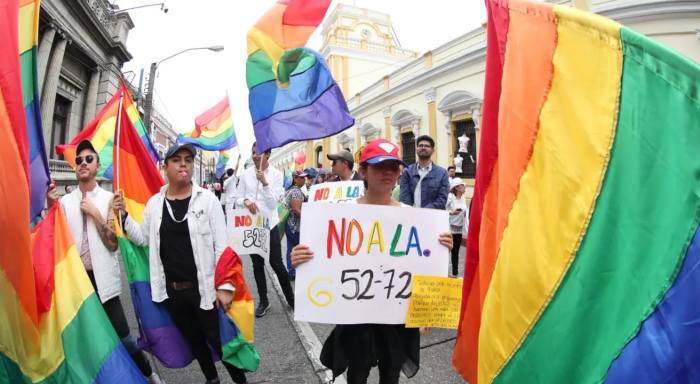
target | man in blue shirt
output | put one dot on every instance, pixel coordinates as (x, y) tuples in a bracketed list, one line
[(425, 184)]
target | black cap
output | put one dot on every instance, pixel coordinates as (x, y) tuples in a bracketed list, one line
[(177, 147), (84, 144), (425, 138)]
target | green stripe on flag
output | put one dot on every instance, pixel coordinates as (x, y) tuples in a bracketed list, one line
[(241, 354), (27, 65), (135, 260)]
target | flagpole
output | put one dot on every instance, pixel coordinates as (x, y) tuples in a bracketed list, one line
[(117, 185)]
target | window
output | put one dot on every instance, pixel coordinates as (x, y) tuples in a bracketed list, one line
[(408, 147), (319, 156), (59, 128), (469, 156)]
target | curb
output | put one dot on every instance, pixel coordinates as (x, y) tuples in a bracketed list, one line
[(312, 345)]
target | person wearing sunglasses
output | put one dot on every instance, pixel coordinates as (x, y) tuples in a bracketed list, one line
[(91, 223)]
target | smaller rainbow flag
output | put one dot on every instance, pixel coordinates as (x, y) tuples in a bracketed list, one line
[(293, 96), (236, 326), (100, 131), (224, 157), (213, 129)]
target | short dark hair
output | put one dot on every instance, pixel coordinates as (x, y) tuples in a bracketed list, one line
[(451, 167), (229, 172), (425, 138)]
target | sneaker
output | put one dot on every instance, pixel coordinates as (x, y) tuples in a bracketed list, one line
[(154, 379), (262, 309)]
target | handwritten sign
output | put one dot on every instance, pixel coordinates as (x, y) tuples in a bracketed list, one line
[(336, 192), (364, 260), (435, 302), (248, 234)]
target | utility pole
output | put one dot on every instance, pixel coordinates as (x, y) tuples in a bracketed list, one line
[(148, 105)]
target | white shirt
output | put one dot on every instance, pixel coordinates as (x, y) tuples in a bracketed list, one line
[(267, 197), (417, 193), (229, 190)]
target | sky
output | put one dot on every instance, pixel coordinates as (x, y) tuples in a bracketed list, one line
[(190, 83)]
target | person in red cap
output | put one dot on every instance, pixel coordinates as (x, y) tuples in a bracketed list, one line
[(359, 347)]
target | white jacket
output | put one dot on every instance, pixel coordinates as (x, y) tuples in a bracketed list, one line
[(207, 228), (105, 263)]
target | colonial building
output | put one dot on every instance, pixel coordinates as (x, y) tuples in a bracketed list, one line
[(440, 92)]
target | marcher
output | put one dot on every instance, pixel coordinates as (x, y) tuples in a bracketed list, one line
[(342, 164), (293, 200), (184, 227), (260, 190), (425, 184), (359, 347), (91, 224), (457, 208)]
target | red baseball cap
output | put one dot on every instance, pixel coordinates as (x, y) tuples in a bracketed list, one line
[(379, 150)]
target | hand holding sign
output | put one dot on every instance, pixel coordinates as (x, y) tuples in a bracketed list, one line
[(363, 267)]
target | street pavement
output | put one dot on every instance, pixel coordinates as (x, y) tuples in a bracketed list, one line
[(289, 351)]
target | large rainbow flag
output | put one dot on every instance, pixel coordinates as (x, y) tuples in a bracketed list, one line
[(52, 326), (138, 180), (100, 131), (292, 95), (213, 129), (237, 325), (582, 260), (18, 40)]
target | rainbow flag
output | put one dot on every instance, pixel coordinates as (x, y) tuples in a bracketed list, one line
[(237, 325), (292, 95), (224, 157), (582, 258), (19, 21), (100, 131), (138, 180), (213, 129)]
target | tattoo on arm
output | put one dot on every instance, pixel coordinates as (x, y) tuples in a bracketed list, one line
[(107, 233)]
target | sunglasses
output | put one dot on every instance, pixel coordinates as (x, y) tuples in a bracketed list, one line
[(88, 159)]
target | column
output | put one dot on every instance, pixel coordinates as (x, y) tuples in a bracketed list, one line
[(91, 97), (44, 52), (48, 99), (310, 154), (326, 150), (387, 122), (430, 94)]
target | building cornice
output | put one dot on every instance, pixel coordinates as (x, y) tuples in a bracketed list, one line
[(625, 11)]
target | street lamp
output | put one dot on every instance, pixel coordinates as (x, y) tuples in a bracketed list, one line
[(148, 105), (163, 8)]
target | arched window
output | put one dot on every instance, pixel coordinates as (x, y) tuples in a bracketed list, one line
[(319, 156)]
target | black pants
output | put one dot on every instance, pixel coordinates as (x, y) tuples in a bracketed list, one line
[(456, 243), (358, 373), (200, 328), (115, 313), (277, 266)]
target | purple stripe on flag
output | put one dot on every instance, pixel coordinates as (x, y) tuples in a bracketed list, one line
[(113, 370), (38, 165), (159, 335), (327, 116), (666, 349)]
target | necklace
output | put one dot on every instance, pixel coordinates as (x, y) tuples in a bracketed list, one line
[(172, 216)]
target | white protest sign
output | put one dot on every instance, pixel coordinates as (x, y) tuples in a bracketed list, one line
[(248, 233), (364, 258), (336, 192)]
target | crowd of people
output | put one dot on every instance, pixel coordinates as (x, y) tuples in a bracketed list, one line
[(184, 226)]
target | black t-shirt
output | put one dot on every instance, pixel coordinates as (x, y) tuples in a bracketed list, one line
[(175, 245)]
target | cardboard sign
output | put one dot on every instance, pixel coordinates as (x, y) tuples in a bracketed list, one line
[(364, 260), (435, 302), (336, 192), (248, 234)]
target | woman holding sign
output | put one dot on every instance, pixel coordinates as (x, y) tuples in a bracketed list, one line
[(359, 347)]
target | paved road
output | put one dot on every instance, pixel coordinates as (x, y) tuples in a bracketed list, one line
[(289, 353)]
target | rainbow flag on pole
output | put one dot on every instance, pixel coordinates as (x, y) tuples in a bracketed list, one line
[(292, 95), (583, 260), (100, 131), (138, 180), (221, 162), (213, 129)]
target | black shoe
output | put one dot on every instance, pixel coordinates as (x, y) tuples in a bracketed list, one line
[(262, 309)]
